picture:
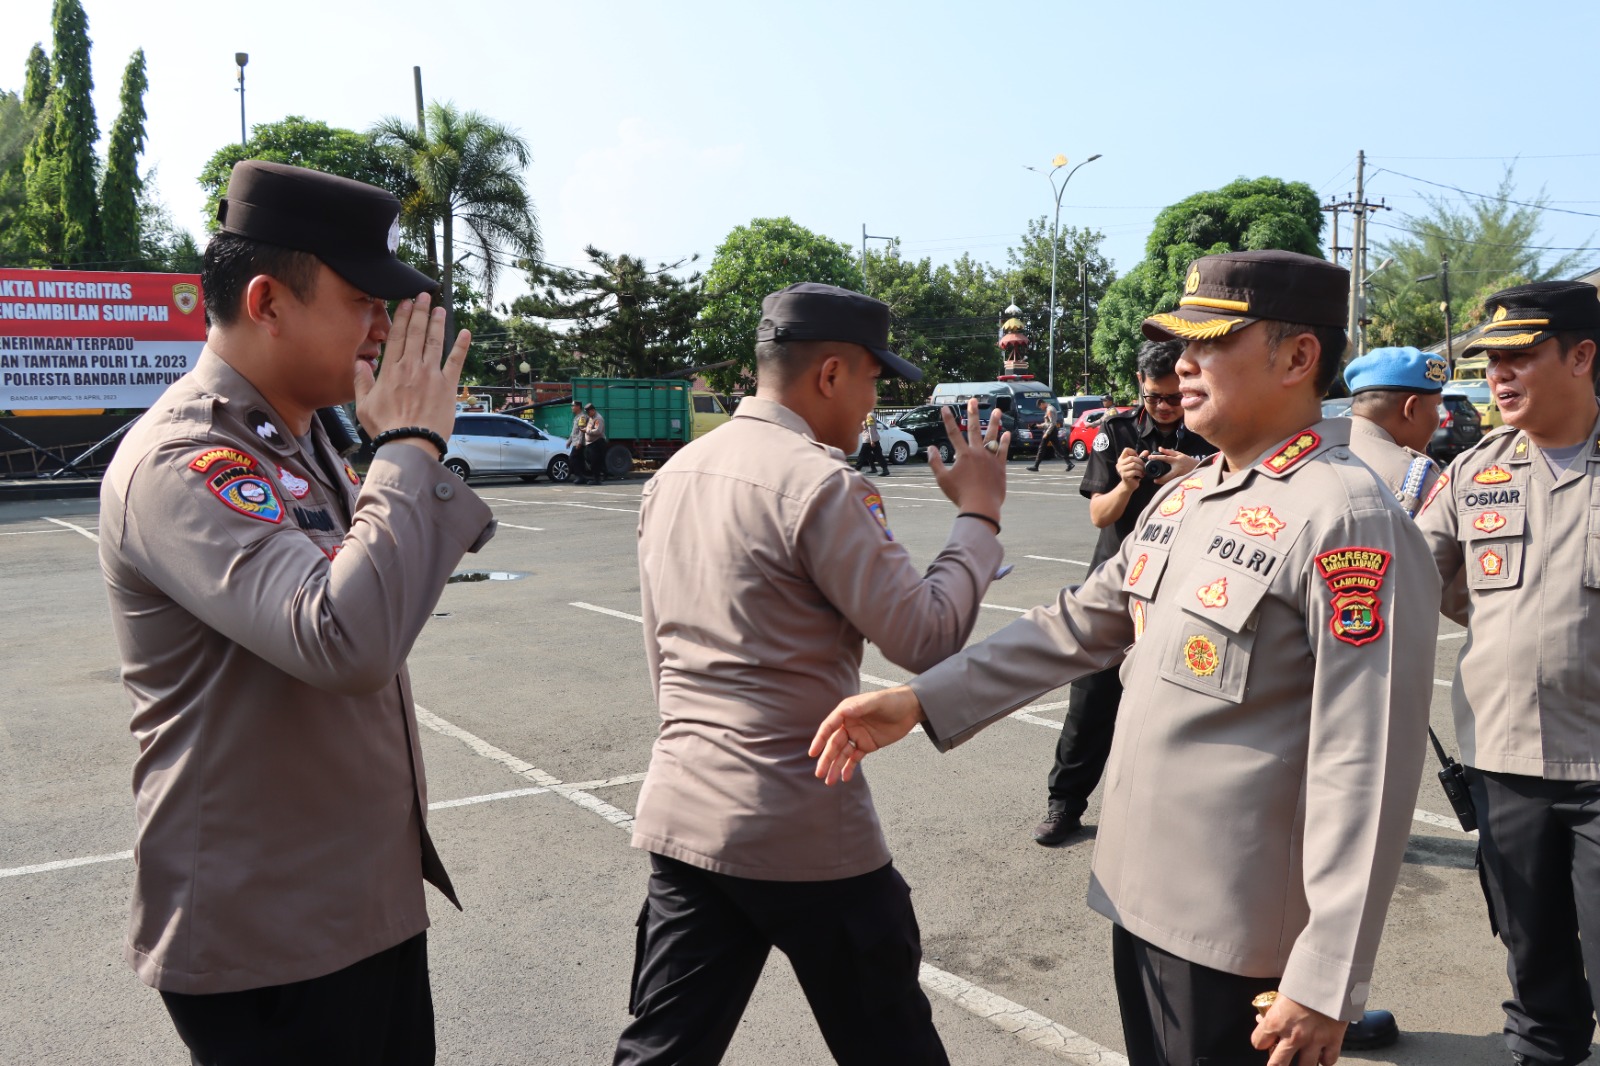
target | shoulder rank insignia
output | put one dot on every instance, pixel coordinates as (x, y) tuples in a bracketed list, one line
[(1259, 522), (1213, 595), (1489, 521), (1292, 453), (1522, 448), (1200, 655), (246, 492), (1492, 475), (208, 459), (874, 504), (1355, 576)]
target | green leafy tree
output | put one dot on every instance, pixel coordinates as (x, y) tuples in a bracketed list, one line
[(1244, 215), (626, 319), (467, 167), (17, 128), (305, 142), (762, 257), (1492, 243), (121, 187), (1028, 277), (63, 211)]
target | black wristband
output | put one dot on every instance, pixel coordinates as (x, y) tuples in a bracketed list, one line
[(409, 431), (982, 517)]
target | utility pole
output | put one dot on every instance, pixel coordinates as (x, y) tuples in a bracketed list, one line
[(865, 237), (1449, 341), (241, 58), (1359, 208), (1083, 289), (416, 80)]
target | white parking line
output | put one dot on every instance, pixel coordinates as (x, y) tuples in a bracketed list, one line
[(1440, 820), (1452, 636), (64, 864), (1028, 1026), (529, 529), (552, 503), (606, 610), (76, 529), (1053, 559), (29, 532), (1003, 607)]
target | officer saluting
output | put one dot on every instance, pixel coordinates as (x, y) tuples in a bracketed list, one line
[(264, 599), (1394, 411), (1265, 769), (1514, 525), (764, 560)]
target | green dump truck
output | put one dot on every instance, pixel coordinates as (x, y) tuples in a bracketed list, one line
[(646, 418)]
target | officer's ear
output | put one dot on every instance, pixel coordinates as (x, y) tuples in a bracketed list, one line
[(265, 301), (1300, 355)]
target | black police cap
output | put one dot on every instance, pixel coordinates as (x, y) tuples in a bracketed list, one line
[(808, 311), (1223, 294), (349, 225), (1526, 315)]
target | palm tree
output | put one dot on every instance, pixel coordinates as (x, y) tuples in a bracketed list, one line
[(466, 166)]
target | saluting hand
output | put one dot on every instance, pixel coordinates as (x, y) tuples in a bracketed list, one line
[(1297, 1035), (861, 725), (411, 388), (976, 480)]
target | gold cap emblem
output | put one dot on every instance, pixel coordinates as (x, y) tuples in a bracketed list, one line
[(1499, 314), (1191, 284)]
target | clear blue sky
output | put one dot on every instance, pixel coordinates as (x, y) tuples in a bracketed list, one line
[(657, 127)]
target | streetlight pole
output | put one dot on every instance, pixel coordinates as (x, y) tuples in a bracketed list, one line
[(241, 58), (1444, 305), (1056, 164)]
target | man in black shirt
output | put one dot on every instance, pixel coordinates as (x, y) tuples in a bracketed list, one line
[(1118, 491)]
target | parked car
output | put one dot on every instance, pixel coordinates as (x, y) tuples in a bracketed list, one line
[(1073, 407), (898, 444), (926, 428), (1081, 437), (1477, 391), (1459, 426), (483, 445), (1021, 399)]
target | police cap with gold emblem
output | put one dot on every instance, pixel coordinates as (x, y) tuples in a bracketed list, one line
[(1397, 370), (810, 311), (1225, 293), (1527, 315), (349, 225)]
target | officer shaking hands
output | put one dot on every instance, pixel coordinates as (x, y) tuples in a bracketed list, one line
[(764, 562), (1514, 525), (264, 599), (1272, 608)]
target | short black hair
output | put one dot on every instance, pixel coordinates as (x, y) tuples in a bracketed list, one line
[(1157, 359), (780, 362), (1331, 339), (1570, 339), (231, 261)]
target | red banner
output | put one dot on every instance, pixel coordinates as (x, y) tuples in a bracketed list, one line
[(72, 339)]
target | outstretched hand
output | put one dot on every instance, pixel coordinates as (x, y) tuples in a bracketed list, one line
[(411, 387), (976, 479), (862, 725)]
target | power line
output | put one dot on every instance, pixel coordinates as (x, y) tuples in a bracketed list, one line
[(1487, 196), (1499, 158), (1484, 244)]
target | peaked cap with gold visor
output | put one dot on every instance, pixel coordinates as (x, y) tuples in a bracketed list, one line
[(1527, 315), (1223, 294)]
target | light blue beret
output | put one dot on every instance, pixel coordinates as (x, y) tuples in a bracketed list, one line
[(1397, 368)]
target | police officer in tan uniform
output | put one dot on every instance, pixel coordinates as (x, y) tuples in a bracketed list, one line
[(1266, 761), (595, 443), (575, 445), (1394, 412), (264, 598), (1515, 527), (764, 562)]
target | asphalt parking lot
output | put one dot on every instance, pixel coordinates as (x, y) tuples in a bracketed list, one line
[(538, 725)]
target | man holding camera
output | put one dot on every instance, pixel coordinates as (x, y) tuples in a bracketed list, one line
[(1134, 454)]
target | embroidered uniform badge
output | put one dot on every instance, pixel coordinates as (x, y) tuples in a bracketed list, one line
[(1355, 577), (1138, 619), (1489, 521), (1200, 655), (1102, 441), (297, 486), (262, 425), (1492, 475), (1176, 499), (1438, 487), (350, 472), (1136, 571), (208, 459), (1213, 595), (1259, 522), (1292, 453), (1492, 562), (246, 492), (874, 504)]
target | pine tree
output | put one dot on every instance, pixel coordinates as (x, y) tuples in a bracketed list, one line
[(121, 189), (63, 178)]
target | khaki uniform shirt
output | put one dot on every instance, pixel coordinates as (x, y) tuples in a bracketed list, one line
[(764, 560), (1409, 474), (1519, 553), (594, 429), (264, 607), (1269, 744), (576, 438)]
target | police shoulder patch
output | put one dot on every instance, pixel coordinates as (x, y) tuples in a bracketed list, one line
[(1355, 576), (1102, 441), (874, 504), (246, 492)]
